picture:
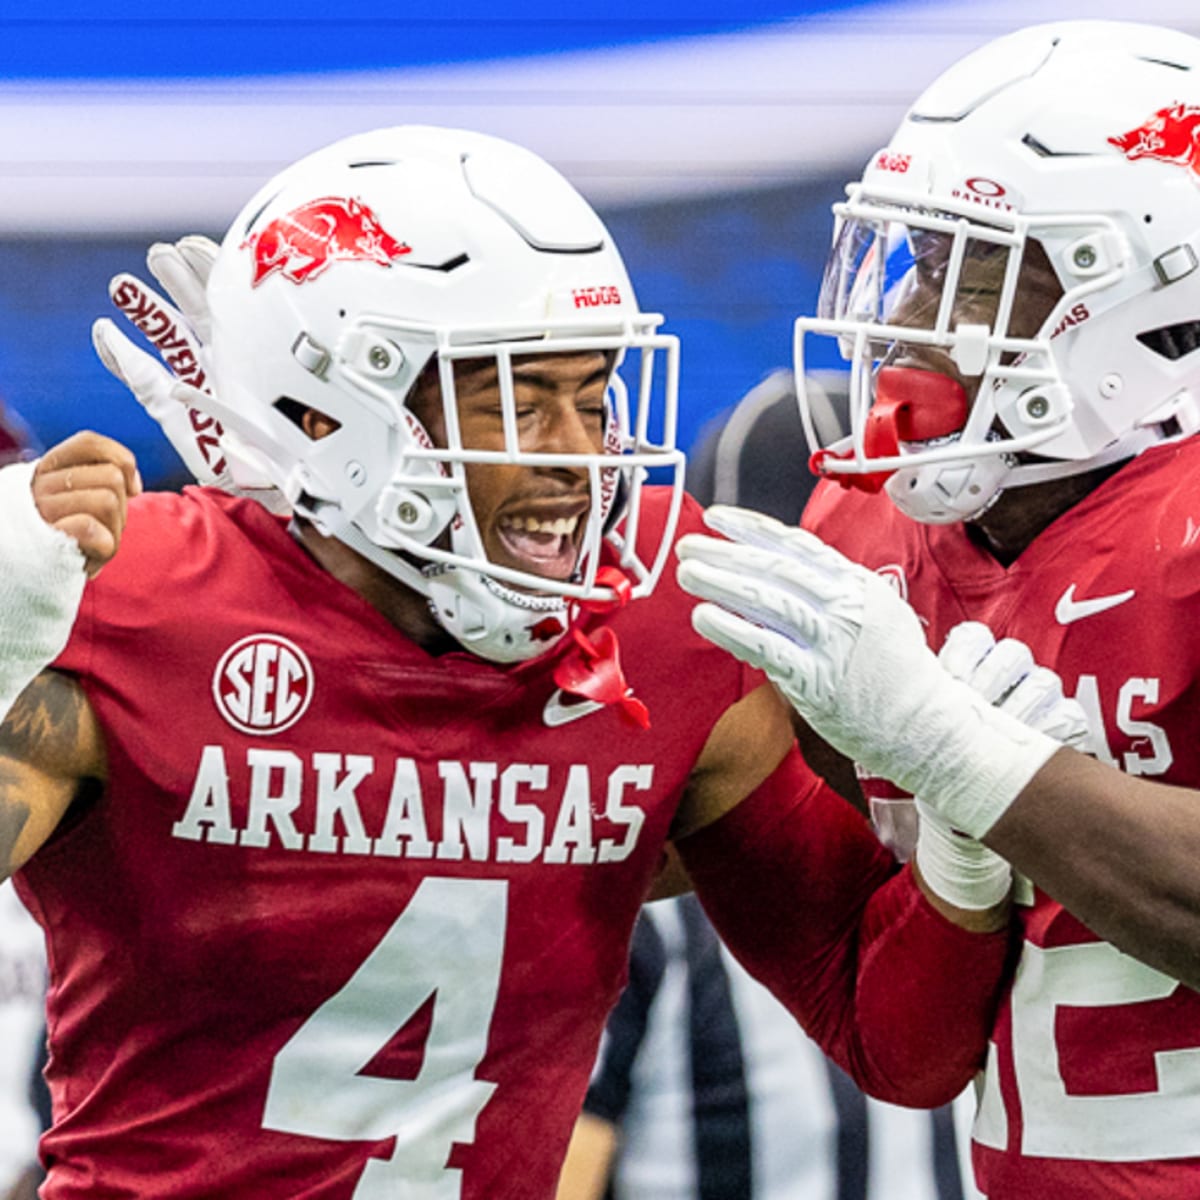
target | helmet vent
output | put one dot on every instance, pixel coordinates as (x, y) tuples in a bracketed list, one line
[(258, 212), (1044, 151), (451, 264), (1172, 341), (1163, 62), (293, 410)]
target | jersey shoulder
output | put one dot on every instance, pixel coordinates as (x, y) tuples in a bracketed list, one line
[(667, 605), (1143, 522), (186, 561), (658, 628), (862, 525), (1166, 486), (178, 539)]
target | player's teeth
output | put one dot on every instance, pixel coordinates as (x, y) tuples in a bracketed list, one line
[(560, 527)]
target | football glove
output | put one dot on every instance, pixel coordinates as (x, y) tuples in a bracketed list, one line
[(850, 655), (180, 332)]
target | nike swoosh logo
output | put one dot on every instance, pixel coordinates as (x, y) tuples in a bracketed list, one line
[(1069, 609), (557, 713)]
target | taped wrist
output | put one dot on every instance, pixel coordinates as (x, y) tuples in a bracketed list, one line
[(977, 759), (41, 584), (962, 871), (930, 733)]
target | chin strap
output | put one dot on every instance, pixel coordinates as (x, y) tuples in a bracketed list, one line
[(591, 668)]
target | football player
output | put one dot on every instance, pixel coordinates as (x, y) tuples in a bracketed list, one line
[(1015, 284), (338, 822)]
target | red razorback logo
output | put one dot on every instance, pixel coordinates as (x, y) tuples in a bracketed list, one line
[(1172, 135), (303, 243)]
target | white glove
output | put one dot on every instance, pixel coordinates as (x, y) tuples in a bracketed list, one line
[(180, 335), (850, 655), (957, 867), (1005, 674), (183, 268)]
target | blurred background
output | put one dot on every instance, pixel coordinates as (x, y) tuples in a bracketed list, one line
[(713, 145)]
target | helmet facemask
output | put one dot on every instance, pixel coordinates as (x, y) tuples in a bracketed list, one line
[(576, 513), (946, 322)]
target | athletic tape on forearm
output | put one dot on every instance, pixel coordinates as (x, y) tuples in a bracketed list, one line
[(976, 759), (905, 718), (41, 584), (961, 870)]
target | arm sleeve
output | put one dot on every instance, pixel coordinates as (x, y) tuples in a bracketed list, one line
[(812, 905)]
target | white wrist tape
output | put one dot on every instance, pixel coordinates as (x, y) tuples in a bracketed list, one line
[(900, 714), (960, 754), (41, 584), (961, 870)]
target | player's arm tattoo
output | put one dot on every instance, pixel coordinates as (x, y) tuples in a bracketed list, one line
[(47, 746), (13, 816)]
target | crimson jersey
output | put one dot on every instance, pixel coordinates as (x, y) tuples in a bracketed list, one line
[(1093, 1082), (300, 943)]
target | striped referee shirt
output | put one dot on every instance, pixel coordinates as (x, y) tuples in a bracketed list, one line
[(719, 1095)]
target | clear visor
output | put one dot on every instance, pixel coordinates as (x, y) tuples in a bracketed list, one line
[(920, 271), (909, 294)]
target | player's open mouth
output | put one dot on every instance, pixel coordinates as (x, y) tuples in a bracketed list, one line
[(543, 546)]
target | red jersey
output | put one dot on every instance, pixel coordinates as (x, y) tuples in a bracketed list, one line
[(347, 919), (1093, 1081)]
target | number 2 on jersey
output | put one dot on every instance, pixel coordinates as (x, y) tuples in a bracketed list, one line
[(1055, 992), (447, 943)]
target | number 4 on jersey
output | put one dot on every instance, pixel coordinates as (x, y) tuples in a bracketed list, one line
[(448, 943)]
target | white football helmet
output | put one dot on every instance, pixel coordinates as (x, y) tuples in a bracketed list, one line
[(346, 275), (1071, 150)]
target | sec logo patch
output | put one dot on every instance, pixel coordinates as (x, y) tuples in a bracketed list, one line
[(263, 684)]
